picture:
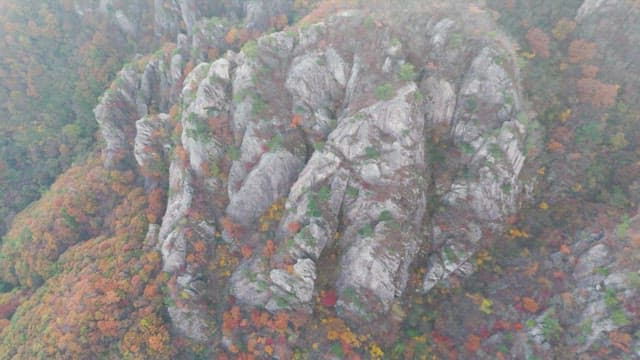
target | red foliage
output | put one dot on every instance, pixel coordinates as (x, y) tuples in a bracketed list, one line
[(294, 227), (597, 93), (328, 298), (539, 42)]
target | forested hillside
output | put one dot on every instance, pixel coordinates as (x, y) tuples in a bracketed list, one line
[(279, 179), (55, 63)]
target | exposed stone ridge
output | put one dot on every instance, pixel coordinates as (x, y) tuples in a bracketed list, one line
[(351, 132)]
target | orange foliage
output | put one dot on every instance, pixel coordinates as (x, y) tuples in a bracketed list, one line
[(269, 248), (620, 340), (296, 120), (4, 323), (237, 36), (473, 343), (555, 146), (597, 93), (182, 154), (529, 304), (259, 319), (246, 251), (96, 301), (156, 207), (281, 322), (538, 42), (581, 51), (150, 291), (231, 320), (234, 230), (108, 327), (188, 68), (75, 209)]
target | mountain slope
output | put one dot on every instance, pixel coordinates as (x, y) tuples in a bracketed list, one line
[(373, 182)]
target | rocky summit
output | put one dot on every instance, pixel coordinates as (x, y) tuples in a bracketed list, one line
[(334, 179)]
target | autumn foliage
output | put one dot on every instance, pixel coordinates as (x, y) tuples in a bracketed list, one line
[(103, 298), (581, 50), (78, 206), (596, 93), (529, 304), (539, 42)]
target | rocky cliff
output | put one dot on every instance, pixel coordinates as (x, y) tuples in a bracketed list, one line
[(358, 171), (356, 137)]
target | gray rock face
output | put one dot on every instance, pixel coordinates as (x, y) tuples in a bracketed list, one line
[(370, 179), (269, 180), (589, 7), (347, 133), (116, 114), (133, 95), (125, 15), (172, 242), (152, 147), (259, 14)]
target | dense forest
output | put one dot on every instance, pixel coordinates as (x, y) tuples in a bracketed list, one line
[(280, 179), (54, 65)]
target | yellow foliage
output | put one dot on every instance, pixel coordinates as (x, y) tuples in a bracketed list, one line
[(543, 206), (482, 257), (565, 115), (485, 306), (527, 55), (375, 351), (517, 233), (484, 303), (272, 215), (338, 330)]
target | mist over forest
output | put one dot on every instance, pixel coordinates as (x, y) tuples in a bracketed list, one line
[(319, 179)]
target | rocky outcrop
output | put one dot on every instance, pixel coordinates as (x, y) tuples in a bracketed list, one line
[(146, 88), (116, 113), (378, 156), (152, 147), (487, 128), (365, 188), (603, 302)]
